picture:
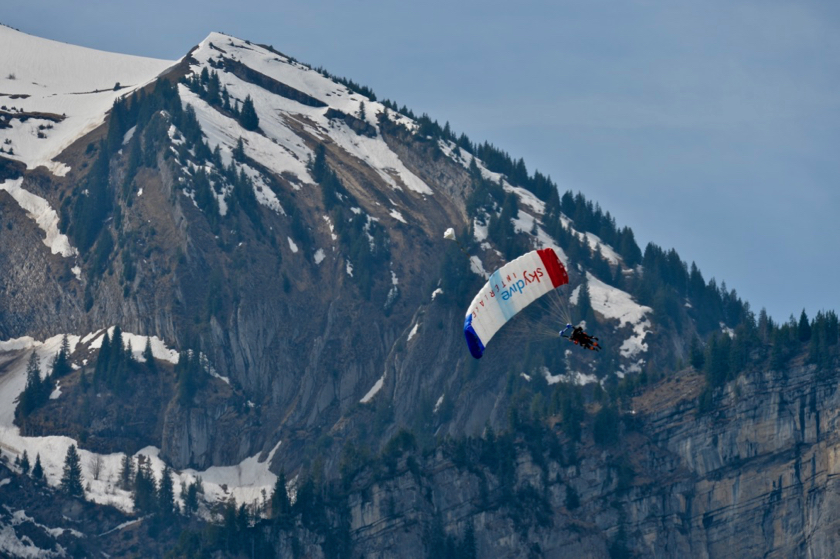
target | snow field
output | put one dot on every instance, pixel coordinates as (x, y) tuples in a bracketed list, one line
[(244, 482), (68, 81)]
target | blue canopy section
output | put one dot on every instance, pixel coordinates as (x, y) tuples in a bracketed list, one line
[(473, 342)]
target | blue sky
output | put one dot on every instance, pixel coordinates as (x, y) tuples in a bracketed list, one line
[(709, 126)]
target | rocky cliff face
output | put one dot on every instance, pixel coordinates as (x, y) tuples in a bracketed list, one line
[(754, 478)]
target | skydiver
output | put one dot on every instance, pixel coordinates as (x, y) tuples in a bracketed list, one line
[(581, 338)]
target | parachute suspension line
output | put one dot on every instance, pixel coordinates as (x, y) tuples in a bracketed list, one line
[(566, 306), (560, 305), (561, 302), (532, 330), (544, 324)]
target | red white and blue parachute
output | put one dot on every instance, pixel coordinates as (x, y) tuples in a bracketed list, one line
[(510, 289)]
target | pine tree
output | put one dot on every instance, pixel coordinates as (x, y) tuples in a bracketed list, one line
[(280, 504), (33, 373), (29, 398), (779, 353), (38, 470), (818, 354), (190, 375), (189, 494), (239, 150), (145, 488), (804, 327), (24, 463), (100, 372), (628, 248), (717, 365), (248, 116), (764, 325), (572, 499), (166, 494), (225, 99), (468, 548), (149, 356), (698, 359), (61, 363), (126, 472), (584, 303), (71, 481), (117, 353)]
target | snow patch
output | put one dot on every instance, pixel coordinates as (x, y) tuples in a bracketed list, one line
[(397, 215), (526, 197), (319, 256), (39, 210), (292, 245), (374, 389), (573, 377), (618, 304), (128, 135), (413, 331), (526, 223), (479, 231), (215, 374), (436, 292), (138, 345), (477, 267)]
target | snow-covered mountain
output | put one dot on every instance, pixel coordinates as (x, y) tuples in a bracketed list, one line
[(54, 93), (275, 235)]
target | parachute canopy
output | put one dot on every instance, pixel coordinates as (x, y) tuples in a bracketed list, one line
[(510, 289)]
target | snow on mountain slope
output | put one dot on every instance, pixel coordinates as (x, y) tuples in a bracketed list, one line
[(279, 148), (614, 303), (46, 218), (244, 481), (52, 93)]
